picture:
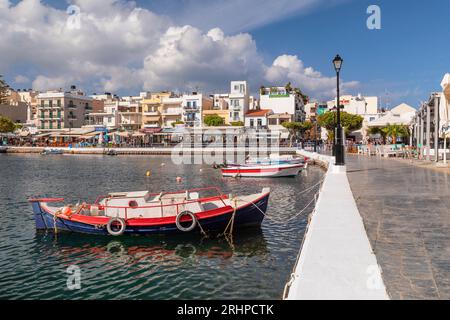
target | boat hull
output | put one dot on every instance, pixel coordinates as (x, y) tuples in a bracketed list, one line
[(263, 171), (214, 220)]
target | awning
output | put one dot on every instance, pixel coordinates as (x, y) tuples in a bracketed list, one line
[(151, 130), (284, 135), (42, 135), (138, 134), (122, 134), (90, 135)]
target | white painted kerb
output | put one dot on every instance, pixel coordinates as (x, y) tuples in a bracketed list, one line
[(336, 260)]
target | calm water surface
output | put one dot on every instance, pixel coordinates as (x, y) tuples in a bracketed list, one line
[(33, 265)]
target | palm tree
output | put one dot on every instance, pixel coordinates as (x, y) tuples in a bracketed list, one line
[(396, 131), (380, 131)]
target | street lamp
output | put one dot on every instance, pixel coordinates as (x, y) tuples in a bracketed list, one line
[(339, 152)]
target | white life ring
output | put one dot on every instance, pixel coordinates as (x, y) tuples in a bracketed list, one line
[(116, 232), (178, 221)]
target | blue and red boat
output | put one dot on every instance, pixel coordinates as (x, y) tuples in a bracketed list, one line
[(145, 213)]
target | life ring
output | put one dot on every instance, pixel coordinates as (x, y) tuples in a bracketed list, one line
[(178, 221), (119, 232)]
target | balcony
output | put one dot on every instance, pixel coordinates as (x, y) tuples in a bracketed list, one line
[(151, 113)]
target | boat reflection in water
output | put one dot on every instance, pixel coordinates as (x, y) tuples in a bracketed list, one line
[(154, 249)]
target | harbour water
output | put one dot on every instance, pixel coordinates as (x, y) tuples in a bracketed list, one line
[(33, 265)]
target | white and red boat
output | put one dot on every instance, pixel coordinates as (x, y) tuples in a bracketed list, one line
[(261, 170), (146, 213)]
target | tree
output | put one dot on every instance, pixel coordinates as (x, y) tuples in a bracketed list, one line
[(237, 124), (304, 97), (214, 120), (380, 131), (350, 122), (395, 131), (288, 87), (6, 125), (3, 91), (177, 122), (296, 129), (262, 90)]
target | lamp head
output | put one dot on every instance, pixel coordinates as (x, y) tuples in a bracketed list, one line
[(337, 62)]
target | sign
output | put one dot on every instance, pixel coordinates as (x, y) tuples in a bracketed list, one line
[(101, 129)]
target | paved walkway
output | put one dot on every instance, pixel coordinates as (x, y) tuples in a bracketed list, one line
[(406, 212)]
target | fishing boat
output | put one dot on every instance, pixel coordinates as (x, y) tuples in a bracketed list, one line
[(49, 151), (275, 159), (263, 170), (206, 209)]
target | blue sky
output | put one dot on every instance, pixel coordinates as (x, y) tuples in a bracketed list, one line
[(402, 62)]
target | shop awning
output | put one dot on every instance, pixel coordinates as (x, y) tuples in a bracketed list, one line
[(42, 135), (121, 134), (151, 130)]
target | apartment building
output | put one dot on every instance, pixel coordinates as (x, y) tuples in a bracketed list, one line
[(257, 119), (62, 109), (284, 102), (239, 100), (108, 118), (193, 105), (152, 109), (171, 110), (360, 105)]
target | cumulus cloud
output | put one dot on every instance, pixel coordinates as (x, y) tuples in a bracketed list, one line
[(290, 68), (20, 79), (188, 57), (120, 46)]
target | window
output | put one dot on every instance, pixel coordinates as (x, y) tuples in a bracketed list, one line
[(188, 104), (109, 119), (42, 103), (252, 123), (58, 102), (194, 104), (50, 103), (242, 88), (259, 122), (236, 87)]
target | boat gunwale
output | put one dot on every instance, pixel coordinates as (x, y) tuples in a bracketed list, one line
[(103, 220)]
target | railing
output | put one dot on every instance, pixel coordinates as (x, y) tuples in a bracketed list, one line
[(220, 197)]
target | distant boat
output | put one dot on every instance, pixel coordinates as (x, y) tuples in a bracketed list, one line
[(110, 152), (263, 170), (52, 151), (146, 213), (275, 159)]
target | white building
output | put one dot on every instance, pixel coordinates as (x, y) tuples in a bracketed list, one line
[(280, 101), (239, 100), (360, 105), (257, 119), (109, 118), (172, 110), (192, 105)]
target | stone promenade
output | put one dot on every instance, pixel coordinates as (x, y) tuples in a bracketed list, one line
[(406, 212)]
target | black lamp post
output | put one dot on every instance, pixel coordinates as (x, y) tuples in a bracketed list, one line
[(339, 152)]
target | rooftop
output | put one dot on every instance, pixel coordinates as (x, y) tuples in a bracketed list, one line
[(258, 113)]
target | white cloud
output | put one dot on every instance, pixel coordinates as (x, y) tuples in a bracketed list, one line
[(290, 68), (21, 79), (120, 46), (237, 15)]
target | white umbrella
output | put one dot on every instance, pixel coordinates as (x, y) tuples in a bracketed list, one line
[(100, 138)]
